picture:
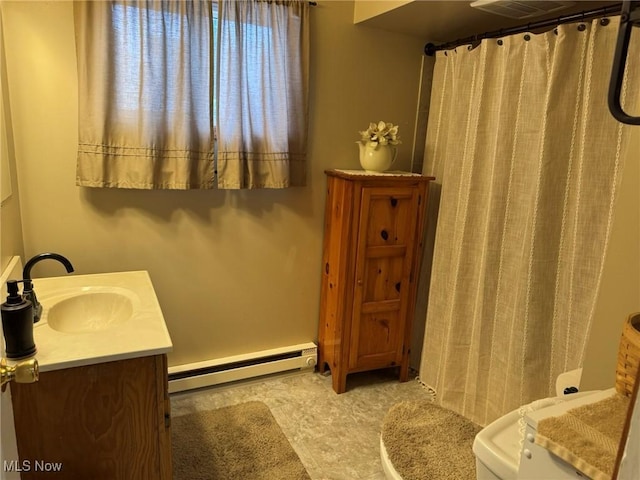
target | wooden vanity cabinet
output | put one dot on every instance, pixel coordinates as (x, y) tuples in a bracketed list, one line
[(109, 421), (371, 260)]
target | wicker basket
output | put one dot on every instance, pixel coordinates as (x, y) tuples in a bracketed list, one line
[(628, 355)]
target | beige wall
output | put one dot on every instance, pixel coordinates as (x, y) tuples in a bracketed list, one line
[(10, 221), (620, 289), (235, 272)]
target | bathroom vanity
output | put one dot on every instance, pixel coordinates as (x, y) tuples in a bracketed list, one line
[(100, 409), (105, 421), (370, 264)]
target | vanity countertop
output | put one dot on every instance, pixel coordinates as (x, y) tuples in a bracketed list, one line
[(143, 333)]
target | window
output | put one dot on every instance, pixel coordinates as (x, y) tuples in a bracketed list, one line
[(155, 76)]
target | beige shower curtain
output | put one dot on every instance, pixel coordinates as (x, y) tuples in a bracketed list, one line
[(528, 161)]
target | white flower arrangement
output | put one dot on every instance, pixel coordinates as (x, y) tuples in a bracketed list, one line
[(380, 134)]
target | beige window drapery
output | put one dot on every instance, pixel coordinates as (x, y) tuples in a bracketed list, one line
[(157, 78), (263, 88), (144, 88), (529, 160)]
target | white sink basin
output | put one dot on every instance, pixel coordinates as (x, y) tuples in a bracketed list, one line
[(90, 309), (97, 318)]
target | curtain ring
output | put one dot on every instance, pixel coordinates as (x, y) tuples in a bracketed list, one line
[(604, 21)]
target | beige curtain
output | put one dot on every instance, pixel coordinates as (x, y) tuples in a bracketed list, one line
[(144, 73), (262, 91), (529, 160)]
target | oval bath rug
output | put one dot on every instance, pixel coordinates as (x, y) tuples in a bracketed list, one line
[(425, 441)]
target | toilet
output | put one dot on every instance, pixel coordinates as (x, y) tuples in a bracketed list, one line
[(505, 452), (505, 449)]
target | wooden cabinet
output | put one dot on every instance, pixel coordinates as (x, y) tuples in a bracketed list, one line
[(108, 421), (371, 256)]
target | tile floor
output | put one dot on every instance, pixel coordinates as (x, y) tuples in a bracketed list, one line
[(335, 436)]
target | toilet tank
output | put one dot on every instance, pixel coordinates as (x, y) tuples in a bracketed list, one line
[(537, 462), (498, 446), (497, 449)]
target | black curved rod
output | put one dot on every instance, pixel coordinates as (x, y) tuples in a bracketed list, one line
[(628, 18), (26, 271)]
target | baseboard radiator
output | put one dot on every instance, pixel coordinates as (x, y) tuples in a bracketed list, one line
[(242, 367)]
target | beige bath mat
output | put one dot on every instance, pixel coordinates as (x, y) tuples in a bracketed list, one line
[(238, 442)]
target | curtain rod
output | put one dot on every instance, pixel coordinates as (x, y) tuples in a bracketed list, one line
[(430, 49)]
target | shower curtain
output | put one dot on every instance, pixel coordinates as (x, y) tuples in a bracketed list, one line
[(528, 161)]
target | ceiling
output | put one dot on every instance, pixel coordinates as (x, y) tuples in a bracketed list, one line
[(443, 21)]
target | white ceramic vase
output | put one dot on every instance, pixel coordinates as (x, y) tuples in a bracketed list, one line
[(376, 158)]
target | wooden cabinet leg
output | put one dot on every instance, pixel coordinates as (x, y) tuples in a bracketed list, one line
[(339, 379), (404, 372)]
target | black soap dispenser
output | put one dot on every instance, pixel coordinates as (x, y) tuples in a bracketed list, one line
[(17, 324)]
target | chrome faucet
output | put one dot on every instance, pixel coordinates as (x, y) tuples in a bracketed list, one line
[(28, 285)]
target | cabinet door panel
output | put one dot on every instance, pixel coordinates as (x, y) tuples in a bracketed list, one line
[(383, 266), (390, 211), (383, 279), (378, 338), (100, 421)]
